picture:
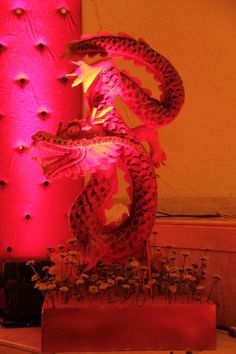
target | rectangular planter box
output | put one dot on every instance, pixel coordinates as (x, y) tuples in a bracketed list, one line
[(116, 327)]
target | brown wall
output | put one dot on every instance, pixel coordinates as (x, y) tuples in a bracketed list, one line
[(199, 38)]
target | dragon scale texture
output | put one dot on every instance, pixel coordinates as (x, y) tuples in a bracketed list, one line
[(102, 140)]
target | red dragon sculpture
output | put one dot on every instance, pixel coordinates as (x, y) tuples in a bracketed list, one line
[(102, 140)]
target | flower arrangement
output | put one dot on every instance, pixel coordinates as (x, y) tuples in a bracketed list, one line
[(160, 280)]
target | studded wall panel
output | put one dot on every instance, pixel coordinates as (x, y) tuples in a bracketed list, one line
[(34, 95)]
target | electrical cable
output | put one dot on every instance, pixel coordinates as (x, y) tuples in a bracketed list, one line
[(200, 216), (216, 213)]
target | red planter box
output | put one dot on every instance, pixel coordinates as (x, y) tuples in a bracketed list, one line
[(107, 327)]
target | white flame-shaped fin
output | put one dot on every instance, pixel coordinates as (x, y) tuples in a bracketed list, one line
[(86, 74)]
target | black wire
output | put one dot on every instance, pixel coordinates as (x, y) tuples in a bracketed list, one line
[(168, 215)]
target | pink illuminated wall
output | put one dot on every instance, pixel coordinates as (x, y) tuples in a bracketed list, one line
[(34, 95)]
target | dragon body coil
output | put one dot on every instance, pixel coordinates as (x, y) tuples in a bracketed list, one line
[(102, 140)]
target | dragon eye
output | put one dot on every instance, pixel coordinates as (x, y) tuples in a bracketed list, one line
[(72, 131)]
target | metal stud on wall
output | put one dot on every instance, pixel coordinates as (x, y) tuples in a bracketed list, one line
[(34, 96)]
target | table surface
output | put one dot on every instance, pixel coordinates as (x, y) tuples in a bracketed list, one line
[(28, 340)]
